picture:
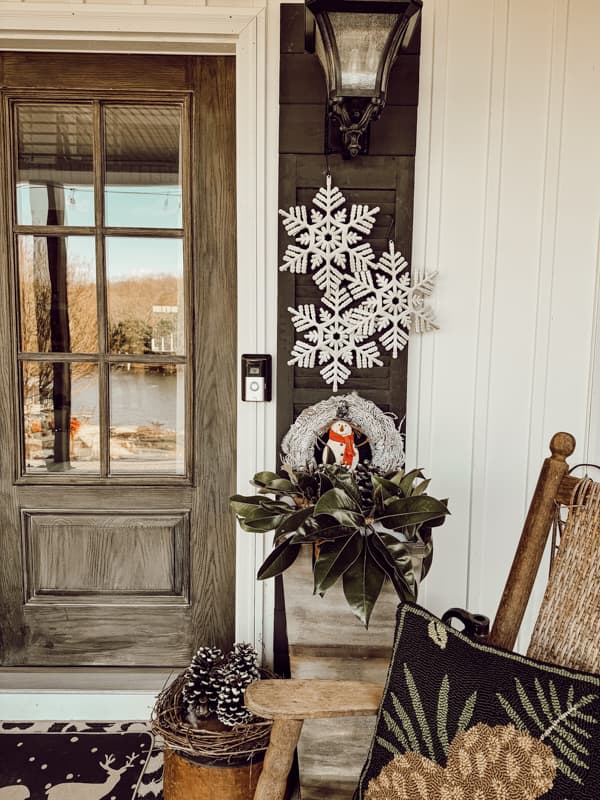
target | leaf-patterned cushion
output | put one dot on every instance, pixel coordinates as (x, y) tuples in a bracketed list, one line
[(466, 721)]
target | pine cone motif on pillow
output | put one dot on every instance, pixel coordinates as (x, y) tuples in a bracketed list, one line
[(484, 762), (512, 763), (407, 777)]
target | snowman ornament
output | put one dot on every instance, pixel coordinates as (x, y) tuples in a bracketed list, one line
[(340, 447)]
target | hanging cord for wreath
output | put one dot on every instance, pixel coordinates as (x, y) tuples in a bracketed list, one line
[(558, 523)]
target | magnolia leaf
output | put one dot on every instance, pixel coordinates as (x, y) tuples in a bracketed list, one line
[(329, 533), (396, 478), (262, 522), (244, 506), (294, 521), (263, 478), (421, 488), (406, 484), (438, 633), (339, 504), (334, 559), (405, 511), (362, 584), (397, 564), (278, 560)]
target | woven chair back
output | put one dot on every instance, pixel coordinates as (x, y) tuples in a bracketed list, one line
[(567, 630)]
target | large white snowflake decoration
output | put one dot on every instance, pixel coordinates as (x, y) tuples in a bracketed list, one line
[(330, 240), (362, 298)]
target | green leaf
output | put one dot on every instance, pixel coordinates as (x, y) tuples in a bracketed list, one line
[(334, 559), (337, 503), (398, 551), (263, 478), (421, 488), (406, 484), (329, 533), (278, 560), (294, 520), (362, 584), (403, 512), (244, 505), (398, 570)]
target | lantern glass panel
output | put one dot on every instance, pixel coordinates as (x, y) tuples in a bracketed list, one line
[(361, 40)]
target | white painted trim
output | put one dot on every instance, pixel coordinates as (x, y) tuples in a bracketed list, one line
[(91, 706), (152, 29)]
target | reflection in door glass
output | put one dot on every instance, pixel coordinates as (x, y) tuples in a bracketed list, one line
[(143, 166), (54, 167), (145, 295), (60, 417), (147, 412), (57, 294)]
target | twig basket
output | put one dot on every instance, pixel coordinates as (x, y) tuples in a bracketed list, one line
[(214, 743)]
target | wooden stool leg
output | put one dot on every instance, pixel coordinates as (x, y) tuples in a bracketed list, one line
[(278, 759)]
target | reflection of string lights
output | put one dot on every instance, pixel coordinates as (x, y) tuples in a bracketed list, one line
[(108, 190)]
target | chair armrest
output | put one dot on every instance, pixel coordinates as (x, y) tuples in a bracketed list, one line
[(312, 699)]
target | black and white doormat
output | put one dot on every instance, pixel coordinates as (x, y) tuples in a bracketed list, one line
[(79, 761)]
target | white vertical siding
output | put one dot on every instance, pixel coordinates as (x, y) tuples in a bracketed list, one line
[(507, 208)]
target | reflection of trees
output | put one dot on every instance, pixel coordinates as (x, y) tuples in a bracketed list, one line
[(35, 289), (133, 322)]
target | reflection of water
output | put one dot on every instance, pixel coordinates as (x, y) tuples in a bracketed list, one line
[(137, 398)]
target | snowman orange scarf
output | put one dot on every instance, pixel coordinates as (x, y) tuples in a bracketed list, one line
[(348, 442)]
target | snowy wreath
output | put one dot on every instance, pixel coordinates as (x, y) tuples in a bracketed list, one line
[(386, 442)]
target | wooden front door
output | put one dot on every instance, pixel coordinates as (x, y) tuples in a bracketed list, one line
[(117, 358)]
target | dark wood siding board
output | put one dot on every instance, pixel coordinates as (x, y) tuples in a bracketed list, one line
[(292, 28), (383, 178)]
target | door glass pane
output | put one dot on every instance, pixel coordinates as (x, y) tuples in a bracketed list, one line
[(147, 412), (54, 167), (60, 417), (57, 294), (145, 295), (143, 166)]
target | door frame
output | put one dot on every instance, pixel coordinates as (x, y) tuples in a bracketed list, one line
[(241, 32)]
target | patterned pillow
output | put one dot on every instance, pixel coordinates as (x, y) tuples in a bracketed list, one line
[(466, 721)]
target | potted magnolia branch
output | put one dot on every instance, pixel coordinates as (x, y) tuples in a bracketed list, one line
[(362, 525)]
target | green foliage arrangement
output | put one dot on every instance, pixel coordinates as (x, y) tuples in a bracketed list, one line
[(362, 525)]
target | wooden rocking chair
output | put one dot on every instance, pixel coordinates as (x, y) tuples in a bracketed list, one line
[(567, 629)]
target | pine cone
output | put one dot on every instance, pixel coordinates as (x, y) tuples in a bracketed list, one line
[(230, 706), (242, 662), (199, 694)]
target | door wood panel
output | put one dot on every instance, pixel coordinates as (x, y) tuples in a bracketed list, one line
[(120, 558), (133, 571)]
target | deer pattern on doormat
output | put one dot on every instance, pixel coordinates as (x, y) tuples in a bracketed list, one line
[(79, 761)]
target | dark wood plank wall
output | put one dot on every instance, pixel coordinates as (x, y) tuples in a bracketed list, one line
[(384, 178)]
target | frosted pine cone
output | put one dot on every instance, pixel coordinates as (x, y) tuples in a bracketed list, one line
[(242, 661), (230, 706), (199, 693)]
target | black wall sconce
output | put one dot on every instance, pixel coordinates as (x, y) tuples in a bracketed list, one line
[(357, 42)]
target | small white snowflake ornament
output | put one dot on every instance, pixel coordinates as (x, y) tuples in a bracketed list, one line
[(362, 298)]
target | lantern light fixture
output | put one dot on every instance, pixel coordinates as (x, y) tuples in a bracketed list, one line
[(357, 42)]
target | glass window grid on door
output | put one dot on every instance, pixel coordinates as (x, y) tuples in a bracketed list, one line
[(100, 225)]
